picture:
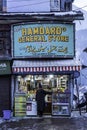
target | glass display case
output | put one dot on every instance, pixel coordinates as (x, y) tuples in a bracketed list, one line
[(61, 103)]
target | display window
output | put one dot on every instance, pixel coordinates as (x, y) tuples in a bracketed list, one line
[(29, 83), (57, 84)]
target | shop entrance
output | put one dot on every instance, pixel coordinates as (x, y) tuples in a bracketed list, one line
[(5, 93), (56, 104)]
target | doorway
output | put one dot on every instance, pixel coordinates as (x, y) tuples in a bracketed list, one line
[(5, 93)]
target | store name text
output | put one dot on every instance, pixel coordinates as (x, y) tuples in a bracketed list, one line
[(43, 34)]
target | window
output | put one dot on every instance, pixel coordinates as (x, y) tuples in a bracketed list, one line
[(5, 44), (55, 5)]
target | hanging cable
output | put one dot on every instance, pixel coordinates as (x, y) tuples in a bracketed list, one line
[(80, 7)]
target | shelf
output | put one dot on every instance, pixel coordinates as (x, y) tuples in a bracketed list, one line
[(59, 114), (60, 104), (61, 109)]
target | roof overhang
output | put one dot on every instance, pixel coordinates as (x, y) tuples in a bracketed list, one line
[(11, 18), (47, 66)]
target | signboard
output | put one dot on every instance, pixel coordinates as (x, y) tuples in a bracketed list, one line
[(5, 67), (43, 40)]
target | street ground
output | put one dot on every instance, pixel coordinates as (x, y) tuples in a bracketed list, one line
[(75, 122)]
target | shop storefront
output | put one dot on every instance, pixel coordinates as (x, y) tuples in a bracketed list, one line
[(42, 52), (55, 78), (5, 85)]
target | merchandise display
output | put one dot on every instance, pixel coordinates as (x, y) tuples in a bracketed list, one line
[(20, 105), (61, 104), (56, 104)]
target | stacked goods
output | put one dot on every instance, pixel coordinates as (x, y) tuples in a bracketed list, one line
[(20, 105)]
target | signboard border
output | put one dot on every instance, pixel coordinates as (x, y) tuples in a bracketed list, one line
[(47, 56)]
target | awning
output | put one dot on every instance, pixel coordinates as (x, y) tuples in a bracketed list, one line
[(21, 66)]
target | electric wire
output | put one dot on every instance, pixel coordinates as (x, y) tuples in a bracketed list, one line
[(81, 7)]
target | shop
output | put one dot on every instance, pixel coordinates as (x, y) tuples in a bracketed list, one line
[(55, 78), (43, 52), (5, 86)]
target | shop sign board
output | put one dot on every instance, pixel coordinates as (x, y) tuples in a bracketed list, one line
[(5, 67), (43, 40)]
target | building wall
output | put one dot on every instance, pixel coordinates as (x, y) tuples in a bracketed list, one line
[(44, 6), (3, 5), (5, 44), (5, 78)]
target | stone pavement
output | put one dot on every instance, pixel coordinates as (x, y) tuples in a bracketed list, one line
[(76, 122)]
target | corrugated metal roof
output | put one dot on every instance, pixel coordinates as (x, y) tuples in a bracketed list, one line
[(70, 16)]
